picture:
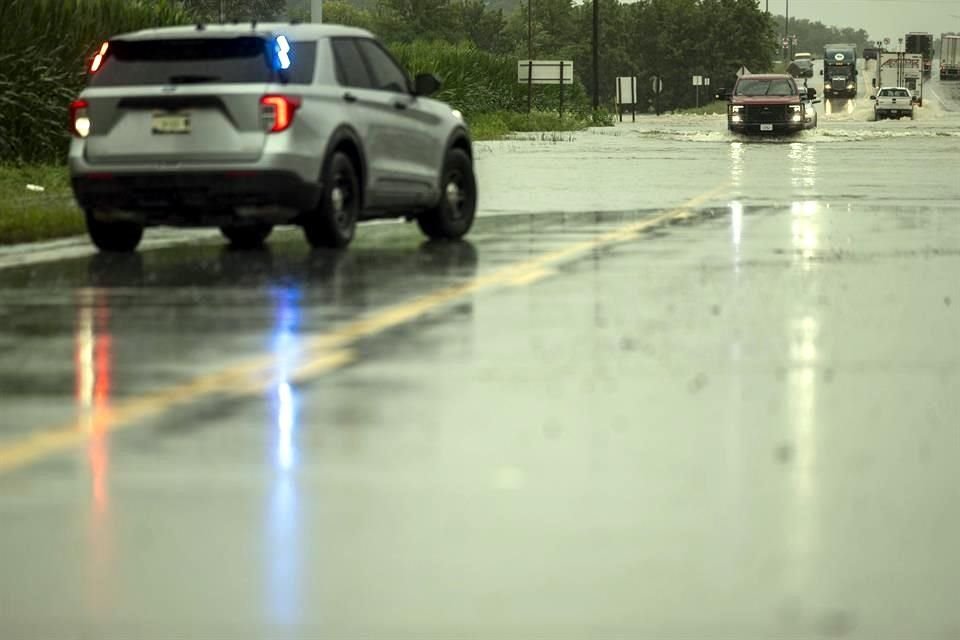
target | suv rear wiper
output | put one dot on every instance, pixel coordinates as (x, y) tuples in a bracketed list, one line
[(189, 79)]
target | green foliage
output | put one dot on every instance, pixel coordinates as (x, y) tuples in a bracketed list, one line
[(209, 10), (475, 81), (496, 125), (26, 215), (44, 45)]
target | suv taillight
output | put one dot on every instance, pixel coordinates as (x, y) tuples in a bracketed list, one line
[(79, 120), (277, 111)]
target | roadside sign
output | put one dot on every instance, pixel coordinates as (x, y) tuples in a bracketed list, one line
[(627, 94), (545, 71), (656, 84), (706, 82), (698, 81), (531, 72), (626, 90)]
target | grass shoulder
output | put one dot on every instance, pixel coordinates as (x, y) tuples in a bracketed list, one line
[(715, 107), (36, 204), (500, 124)]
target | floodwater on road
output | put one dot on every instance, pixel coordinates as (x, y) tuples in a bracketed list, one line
[(676, 384)]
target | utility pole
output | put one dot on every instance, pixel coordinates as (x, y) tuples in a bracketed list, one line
[(596, 54), (529, 55), (786, 27)]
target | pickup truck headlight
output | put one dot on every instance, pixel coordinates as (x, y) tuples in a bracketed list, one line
[(796, 113), (736, 113)]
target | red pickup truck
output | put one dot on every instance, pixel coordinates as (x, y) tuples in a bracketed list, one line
[(769, 104)]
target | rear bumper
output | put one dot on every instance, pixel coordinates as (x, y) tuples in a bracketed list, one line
[(893, 113), (194, 194)]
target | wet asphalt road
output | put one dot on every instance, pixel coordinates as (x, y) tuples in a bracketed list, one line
[(676, 385)]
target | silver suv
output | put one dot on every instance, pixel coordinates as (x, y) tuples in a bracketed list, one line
[(246, 126)]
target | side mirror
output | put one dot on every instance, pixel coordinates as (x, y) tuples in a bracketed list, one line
[(722, 94), (426, 84), (811, 93), (873, 97)]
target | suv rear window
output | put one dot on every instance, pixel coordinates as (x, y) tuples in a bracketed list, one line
[(198, 60)]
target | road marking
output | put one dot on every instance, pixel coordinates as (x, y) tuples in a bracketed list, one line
[(939, 99), (534, 275), (318, 354)]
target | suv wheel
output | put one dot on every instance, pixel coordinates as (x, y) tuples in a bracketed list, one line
[(115, 236), (334, 221), (453, 215), (246, 236)]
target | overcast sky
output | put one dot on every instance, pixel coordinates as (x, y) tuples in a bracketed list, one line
[(881, 18)]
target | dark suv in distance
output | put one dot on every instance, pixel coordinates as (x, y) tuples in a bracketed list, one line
[(247, 126)]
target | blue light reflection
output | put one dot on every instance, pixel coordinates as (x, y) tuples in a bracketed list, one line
[(284, 547)]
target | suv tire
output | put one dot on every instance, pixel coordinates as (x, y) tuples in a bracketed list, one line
[(114, 236), (246, 236), (334, 221), (453, 215)]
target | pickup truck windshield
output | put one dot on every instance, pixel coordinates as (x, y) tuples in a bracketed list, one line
[(757, 87)]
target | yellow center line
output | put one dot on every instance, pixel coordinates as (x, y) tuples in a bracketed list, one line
[(319, 354)]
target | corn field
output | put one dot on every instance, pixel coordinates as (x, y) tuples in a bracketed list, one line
[(44, 45), (476, 81)]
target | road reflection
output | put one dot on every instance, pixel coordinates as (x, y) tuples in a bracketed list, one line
[(284, 545), (736, 165), (803, 334), (93, 361), (803, 167)]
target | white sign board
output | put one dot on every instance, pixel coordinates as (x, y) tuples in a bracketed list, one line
[(656, 84), (545, 71), (626, 90), (698, 81), (706, 82)]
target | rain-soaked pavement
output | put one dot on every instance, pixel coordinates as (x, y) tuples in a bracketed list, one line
[(676, 385)]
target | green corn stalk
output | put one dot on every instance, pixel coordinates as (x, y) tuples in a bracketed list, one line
[(44, 48)]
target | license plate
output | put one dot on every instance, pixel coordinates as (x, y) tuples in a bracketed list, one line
[(171, 123), (766, 127)]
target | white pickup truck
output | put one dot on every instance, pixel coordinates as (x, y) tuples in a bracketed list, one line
[(892, 102)]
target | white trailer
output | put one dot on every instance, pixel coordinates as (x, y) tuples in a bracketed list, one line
[(949, 57), (898, 69)]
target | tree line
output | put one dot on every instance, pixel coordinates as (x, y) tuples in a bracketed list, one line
[(672, 39), (813, 35)]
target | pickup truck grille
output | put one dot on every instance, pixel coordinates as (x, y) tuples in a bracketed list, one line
[(766, 113)]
